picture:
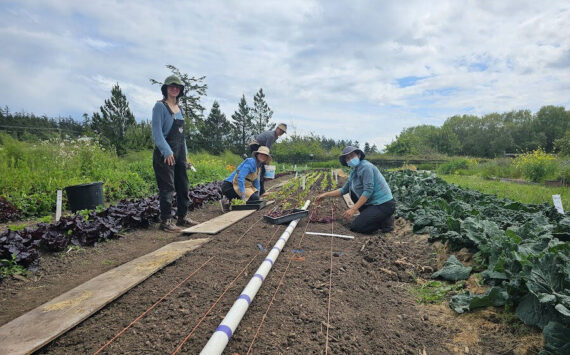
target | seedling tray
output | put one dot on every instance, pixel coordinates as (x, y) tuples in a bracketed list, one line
[(253, 205), (296, 214)]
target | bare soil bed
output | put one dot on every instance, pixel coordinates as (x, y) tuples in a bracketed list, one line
[(323, 295)]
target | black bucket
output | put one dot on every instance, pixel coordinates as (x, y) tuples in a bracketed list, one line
[(85, 196)]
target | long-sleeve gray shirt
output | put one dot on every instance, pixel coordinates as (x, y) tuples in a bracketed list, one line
[(267, 138)]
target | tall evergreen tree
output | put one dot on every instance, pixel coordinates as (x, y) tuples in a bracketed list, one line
[(216, 130), (261, 113), (139, 136), (114, 119), (194, 89), (242, 127)]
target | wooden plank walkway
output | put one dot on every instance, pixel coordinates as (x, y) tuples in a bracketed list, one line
[(45, 323), (217, 224)]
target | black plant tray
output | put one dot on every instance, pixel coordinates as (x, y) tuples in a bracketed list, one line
[(296, 214), (250, 205)]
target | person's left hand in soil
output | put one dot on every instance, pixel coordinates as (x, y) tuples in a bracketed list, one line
[(349, 213)]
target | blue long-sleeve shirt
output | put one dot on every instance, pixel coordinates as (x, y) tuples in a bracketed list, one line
[(365, 179), (247, 167), (162, 122)]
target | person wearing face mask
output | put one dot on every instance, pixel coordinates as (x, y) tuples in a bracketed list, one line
[(243, 183), (369, 192)]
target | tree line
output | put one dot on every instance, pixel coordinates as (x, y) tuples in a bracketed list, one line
[(115, 126), (490, 135)]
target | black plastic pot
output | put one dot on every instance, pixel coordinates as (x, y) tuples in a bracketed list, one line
[(85, 196)]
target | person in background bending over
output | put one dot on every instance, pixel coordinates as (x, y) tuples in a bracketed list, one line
[(169, 156), (369, 192), (266, 138), (243, 183)]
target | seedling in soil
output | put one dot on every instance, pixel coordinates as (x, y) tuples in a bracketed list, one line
[(15, 227), (237, 202), (9, 267)]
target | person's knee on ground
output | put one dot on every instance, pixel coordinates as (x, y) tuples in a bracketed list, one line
[(387, 225)]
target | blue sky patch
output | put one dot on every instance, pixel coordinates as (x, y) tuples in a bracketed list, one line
[(409, 80)]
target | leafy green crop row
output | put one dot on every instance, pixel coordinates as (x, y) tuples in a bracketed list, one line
[(523, 249)]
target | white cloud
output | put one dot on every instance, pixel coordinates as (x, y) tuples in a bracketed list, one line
[(331, 68)]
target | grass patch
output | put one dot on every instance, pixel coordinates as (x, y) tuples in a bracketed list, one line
[(534, 194), (435, 292)]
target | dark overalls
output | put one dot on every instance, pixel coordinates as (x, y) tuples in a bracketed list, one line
[(170, 178)]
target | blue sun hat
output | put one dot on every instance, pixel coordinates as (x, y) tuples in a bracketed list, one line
[(346, 151)]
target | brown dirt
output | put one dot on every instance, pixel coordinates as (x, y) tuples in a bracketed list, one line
[(350, 295)]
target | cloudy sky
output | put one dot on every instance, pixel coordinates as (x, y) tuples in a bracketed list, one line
[(360, 70)]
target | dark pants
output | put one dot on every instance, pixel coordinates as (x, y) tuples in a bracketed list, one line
[(372, 217), (170, 178), (262, 179), (253, 148), (229, 191)]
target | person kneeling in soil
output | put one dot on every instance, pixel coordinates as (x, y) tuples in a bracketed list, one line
[(243, 183), (369, 192), (169, 158)]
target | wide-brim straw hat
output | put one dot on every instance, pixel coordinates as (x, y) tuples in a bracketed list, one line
[(346, 151), (262, 150), (283, 127)]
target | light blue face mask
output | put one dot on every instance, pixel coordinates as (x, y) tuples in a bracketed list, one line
[(353, 162)]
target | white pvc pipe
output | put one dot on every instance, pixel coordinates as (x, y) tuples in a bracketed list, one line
[(227, 327), (331, 235)]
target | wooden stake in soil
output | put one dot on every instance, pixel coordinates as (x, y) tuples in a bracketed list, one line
[(58, 206)]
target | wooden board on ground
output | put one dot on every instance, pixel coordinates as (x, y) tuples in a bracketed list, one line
[(45, 323), (217, 224)]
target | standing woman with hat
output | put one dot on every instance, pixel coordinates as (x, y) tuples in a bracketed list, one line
[(266, 138), (169, 157), (243, 183), (369, 192)]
